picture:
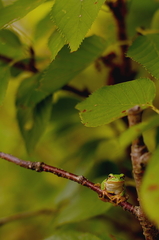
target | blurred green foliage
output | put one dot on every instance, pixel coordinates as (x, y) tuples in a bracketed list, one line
[(39, 121)]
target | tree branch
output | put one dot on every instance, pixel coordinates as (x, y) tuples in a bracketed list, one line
[(30, 66), (140, 157), (139, 152), (121, 70), (119, 12), (42, 167)]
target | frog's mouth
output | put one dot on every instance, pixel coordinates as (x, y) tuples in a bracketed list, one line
[(114, 187)]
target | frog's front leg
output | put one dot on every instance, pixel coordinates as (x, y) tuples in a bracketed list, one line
[(113, 198), (116, 199), (107, 197)]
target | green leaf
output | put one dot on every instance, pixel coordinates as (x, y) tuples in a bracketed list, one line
[(112, 102), (10, 45), (132, 133), (145, 50), (43, 27), (64, 108), (1, 4), (56, 42), (73, 235), (10, 38), (17, 10), (33, 121), (82, 206), (150, 189), (28, 94), (74, 19), (4, 79), (68, 65)]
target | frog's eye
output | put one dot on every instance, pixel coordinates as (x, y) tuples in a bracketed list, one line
[(110, 175), (122, 176)]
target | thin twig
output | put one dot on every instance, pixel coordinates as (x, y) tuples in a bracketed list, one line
[(32, 62), (82, 93), (20, 64), (42, 167)]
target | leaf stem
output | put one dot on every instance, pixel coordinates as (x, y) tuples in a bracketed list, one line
[(155, 109)]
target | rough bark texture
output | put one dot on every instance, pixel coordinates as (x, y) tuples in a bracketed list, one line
[(140, 157)]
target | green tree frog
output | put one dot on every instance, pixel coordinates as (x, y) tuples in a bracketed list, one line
[(113, 188)]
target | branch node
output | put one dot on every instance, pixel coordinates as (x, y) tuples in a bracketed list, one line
[(135, 110), (82, 179), (37, 166)]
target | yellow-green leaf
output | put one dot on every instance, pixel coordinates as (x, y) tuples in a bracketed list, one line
[(112, 102), (150, 189), (68, 65), (4, 79), (73, 235), (17, 10), (145, 50), (74, 19)]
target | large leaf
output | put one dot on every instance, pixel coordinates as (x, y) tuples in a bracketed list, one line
[(4, 79), (82, 206), (10, 38), (68, 65), (73, 235), (150, 189), (145, 50), (43, 27), (56, 42), (28, 94), (64, 108), (33, 121), (17, 10), (111, 102), (10, 45), (74, 19)]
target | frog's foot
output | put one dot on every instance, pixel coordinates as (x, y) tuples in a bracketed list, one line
[(106, 196), (97, 185), (113, 198), (116, 199)]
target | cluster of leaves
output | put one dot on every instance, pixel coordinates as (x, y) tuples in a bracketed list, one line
[(69, 39)]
